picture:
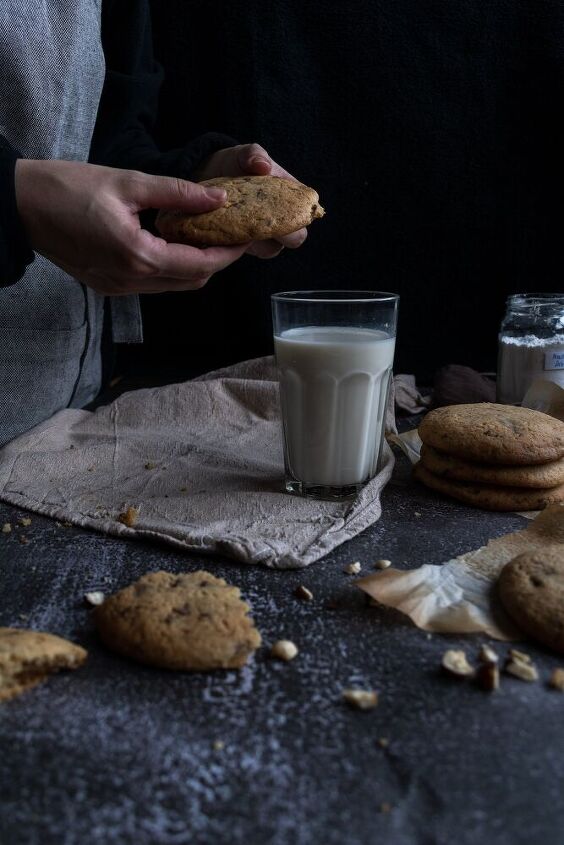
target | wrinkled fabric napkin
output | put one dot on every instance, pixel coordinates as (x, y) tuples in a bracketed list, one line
[(201, 462)]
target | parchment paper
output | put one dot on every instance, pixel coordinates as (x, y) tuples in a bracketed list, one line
[(459, 595)]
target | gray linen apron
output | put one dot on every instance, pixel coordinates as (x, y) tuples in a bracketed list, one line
[(51, 76)]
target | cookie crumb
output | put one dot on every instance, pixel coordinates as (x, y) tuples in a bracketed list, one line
[(382, 564), (183, 489), (150, 465), (95, 598), (557, 679), (455, 663), (360, 699), (383, 742), (129, 516), (218, 745), (7, 528), (303, 593), (284, 650), (352, 568), (25, 521), (23, 539), (417, 514)]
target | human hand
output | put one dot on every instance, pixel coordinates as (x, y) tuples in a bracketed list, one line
[(85, 219), (251, 160)]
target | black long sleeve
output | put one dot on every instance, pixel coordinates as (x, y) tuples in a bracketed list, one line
[(122, 137), (15, 251)]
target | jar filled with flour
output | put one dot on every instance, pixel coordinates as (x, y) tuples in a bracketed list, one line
[(531, 345)]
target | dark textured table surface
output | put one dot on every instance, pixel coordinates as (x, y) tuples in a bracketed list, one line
[(120, 753)]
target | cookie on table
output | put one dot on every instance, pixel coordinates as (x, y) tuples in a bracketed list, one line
[(448, 466), (494, 434), (531, 588), (28, 657), (191, 621), (490, 497), (257, 208)]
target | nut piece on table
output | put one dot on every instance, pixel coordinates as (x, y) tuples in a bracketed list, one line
[(557, 679), (129, 516), (352, 568), (521, 666), (455, 663), (95, 598), (360, 699), (303, 593), (284, 650), (7, 528), (25, 521), (382, 564), (488, 655), (487, 676)]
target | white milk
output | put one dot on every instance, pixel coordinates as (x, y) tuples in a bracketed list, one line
[(333, 388)]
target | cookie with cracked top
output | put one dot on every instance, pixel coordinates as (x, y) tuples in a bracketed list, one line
[(192, 621), (27, 657), (531, 588), (257, 208), (494, 434)]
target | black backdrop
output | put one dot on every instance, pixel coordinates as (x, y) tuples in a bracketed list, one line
[(432, 132)]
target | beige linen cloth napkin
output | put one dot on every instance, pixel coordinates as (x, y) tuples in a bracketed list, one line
[(202, 463)]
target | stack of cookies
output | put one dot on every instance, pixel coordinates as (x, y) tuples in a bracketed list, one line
[(496, 457)]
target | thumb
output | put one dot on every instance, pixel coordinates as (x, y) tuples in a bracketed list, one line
[(178, 194)]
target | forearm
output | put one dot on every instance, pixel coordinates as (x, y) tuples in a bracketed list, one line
[(15, 251)]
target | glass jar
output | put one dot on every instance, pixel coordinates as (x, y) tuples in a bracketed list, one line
[(531, 344)]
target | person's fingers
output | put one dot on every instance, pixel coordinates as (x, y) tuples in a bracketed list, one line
[(144, 191), (265, 249), (181, 262), (294, 239), (253, 159)]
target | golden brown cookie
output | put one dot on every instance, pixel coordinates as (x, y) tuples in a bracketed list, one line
[(257, 208), (448, 466), (494, 434), (27, 657), (490, 497), (531, 588), (188, 621)]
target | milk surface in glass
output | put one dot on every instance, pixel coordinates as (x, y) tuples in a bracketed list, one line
[(333, 389)]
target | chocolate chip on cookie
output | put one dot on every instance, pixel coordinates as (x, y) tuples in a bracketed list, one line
[(191, 621)]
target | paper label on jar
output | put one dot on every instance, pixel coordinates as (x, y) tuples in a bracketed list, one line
[(554, 360)]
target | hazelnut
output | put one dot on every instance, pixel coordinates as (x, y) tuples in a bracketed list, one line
[(303, 593), (284, 650), (455, 663), (129, 516), (361, 699), (95, 598), (487, 676), (352, 568), (382, 564), (557, 679)]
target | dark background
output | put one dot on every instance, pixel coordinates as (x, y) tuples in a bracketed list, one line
[(432, 132)]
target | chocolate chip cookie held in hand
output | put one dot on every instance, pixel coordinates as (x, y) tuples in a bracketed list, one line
[(257, 208)]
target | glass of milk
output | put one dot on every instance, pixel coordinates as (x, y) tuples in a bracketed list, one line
[(334, 351)]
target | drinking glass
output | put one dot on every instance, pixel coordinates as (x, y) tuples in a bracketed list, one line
[(334, 351)]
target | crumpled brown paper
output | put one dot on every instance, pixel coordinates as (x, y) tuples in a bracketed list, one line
[(459, 596)]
